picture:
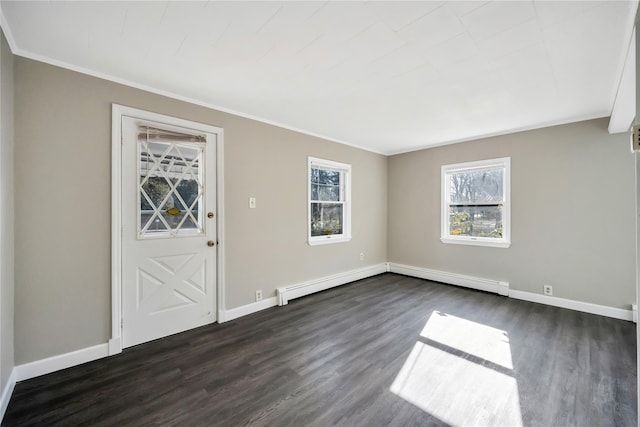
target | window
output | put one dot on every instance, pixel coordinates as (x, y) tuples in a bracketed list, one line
[(329, 202), (476, 203), (170, 183)]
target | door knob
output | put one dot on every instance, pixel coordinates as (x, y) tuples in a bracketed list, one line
[(211, 243)]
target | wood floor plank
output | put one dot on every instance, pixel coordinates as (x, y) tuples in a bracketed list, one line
[(385, 351)]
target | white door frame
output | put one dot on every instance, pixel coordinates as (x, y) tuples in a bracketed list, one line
[(117, 111)]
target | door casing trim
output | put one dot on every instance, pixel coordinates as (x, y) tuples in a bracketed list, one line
[(117, 111)]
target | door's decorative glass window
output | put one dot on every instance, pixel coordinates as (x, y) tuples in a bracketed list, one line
[(329, 201), (475, 203), (171, 185)]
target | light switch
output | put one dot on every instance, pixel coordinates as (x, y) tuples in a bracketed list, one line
[(252, 202)]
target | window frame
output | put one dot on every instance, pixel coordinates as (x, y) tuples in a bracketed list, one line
[(446, 172), (345, 177)]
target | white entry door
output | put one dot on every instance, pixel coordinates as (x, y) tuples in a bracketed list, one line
[(168, 230)]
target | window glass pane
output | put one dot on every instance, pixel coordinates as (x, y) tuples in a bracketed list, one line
[(325, 193), (189, 190), (483, 186), (329, 177), (151, 153), (314, 176), (189, 224), (173, 211), (156, 189), (172, 162), (326, 219), (170, 187), (155, 223), (329, 193), (189, 153), (325, 185), (477, 221)]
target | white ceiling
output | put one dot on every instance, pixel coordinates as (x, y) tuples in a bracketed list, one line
[(386, 76)]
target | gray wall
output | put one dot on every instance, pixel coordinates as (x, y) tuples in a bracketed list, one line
[(573, 224), (572, 209), (6, 213), (63, 143)]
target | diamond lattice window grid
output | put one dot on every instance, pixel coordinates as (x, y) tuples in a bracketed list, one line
[(171, 187)]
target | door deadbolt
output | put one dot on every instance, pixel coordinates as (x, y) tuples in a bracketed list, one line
[(211, 243), (210, 215)]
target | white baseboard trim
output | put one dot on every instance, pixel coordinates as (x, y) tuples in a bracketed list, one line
[(634, 310), (7, 392), (488, 285), (502, 288), (115, 346), (245, 310), (287, 293), (61, 361), (585, 307)]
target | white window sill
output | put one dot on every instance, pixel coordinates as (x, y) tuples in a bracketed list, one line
[(477, 241), (325, 240)]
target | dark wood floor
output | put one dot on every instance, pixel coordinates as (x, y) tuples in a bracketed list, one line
[(385, 351)]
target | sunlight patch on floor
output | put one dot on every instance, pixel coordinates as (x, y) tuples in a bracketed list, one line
[(472, 338), (462, 373)]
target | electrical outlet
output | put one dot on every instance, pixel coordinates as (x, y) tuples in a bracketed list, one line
[(548, 290), (252, 202), (361, 256), (259, 295)]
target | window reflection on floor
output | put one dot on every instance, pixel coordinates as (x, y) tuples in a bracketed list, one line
[(462, 373)]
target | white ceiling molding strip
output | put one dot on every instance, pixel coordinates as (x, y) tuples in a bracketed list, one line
[(40, 58), (624, 107)]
